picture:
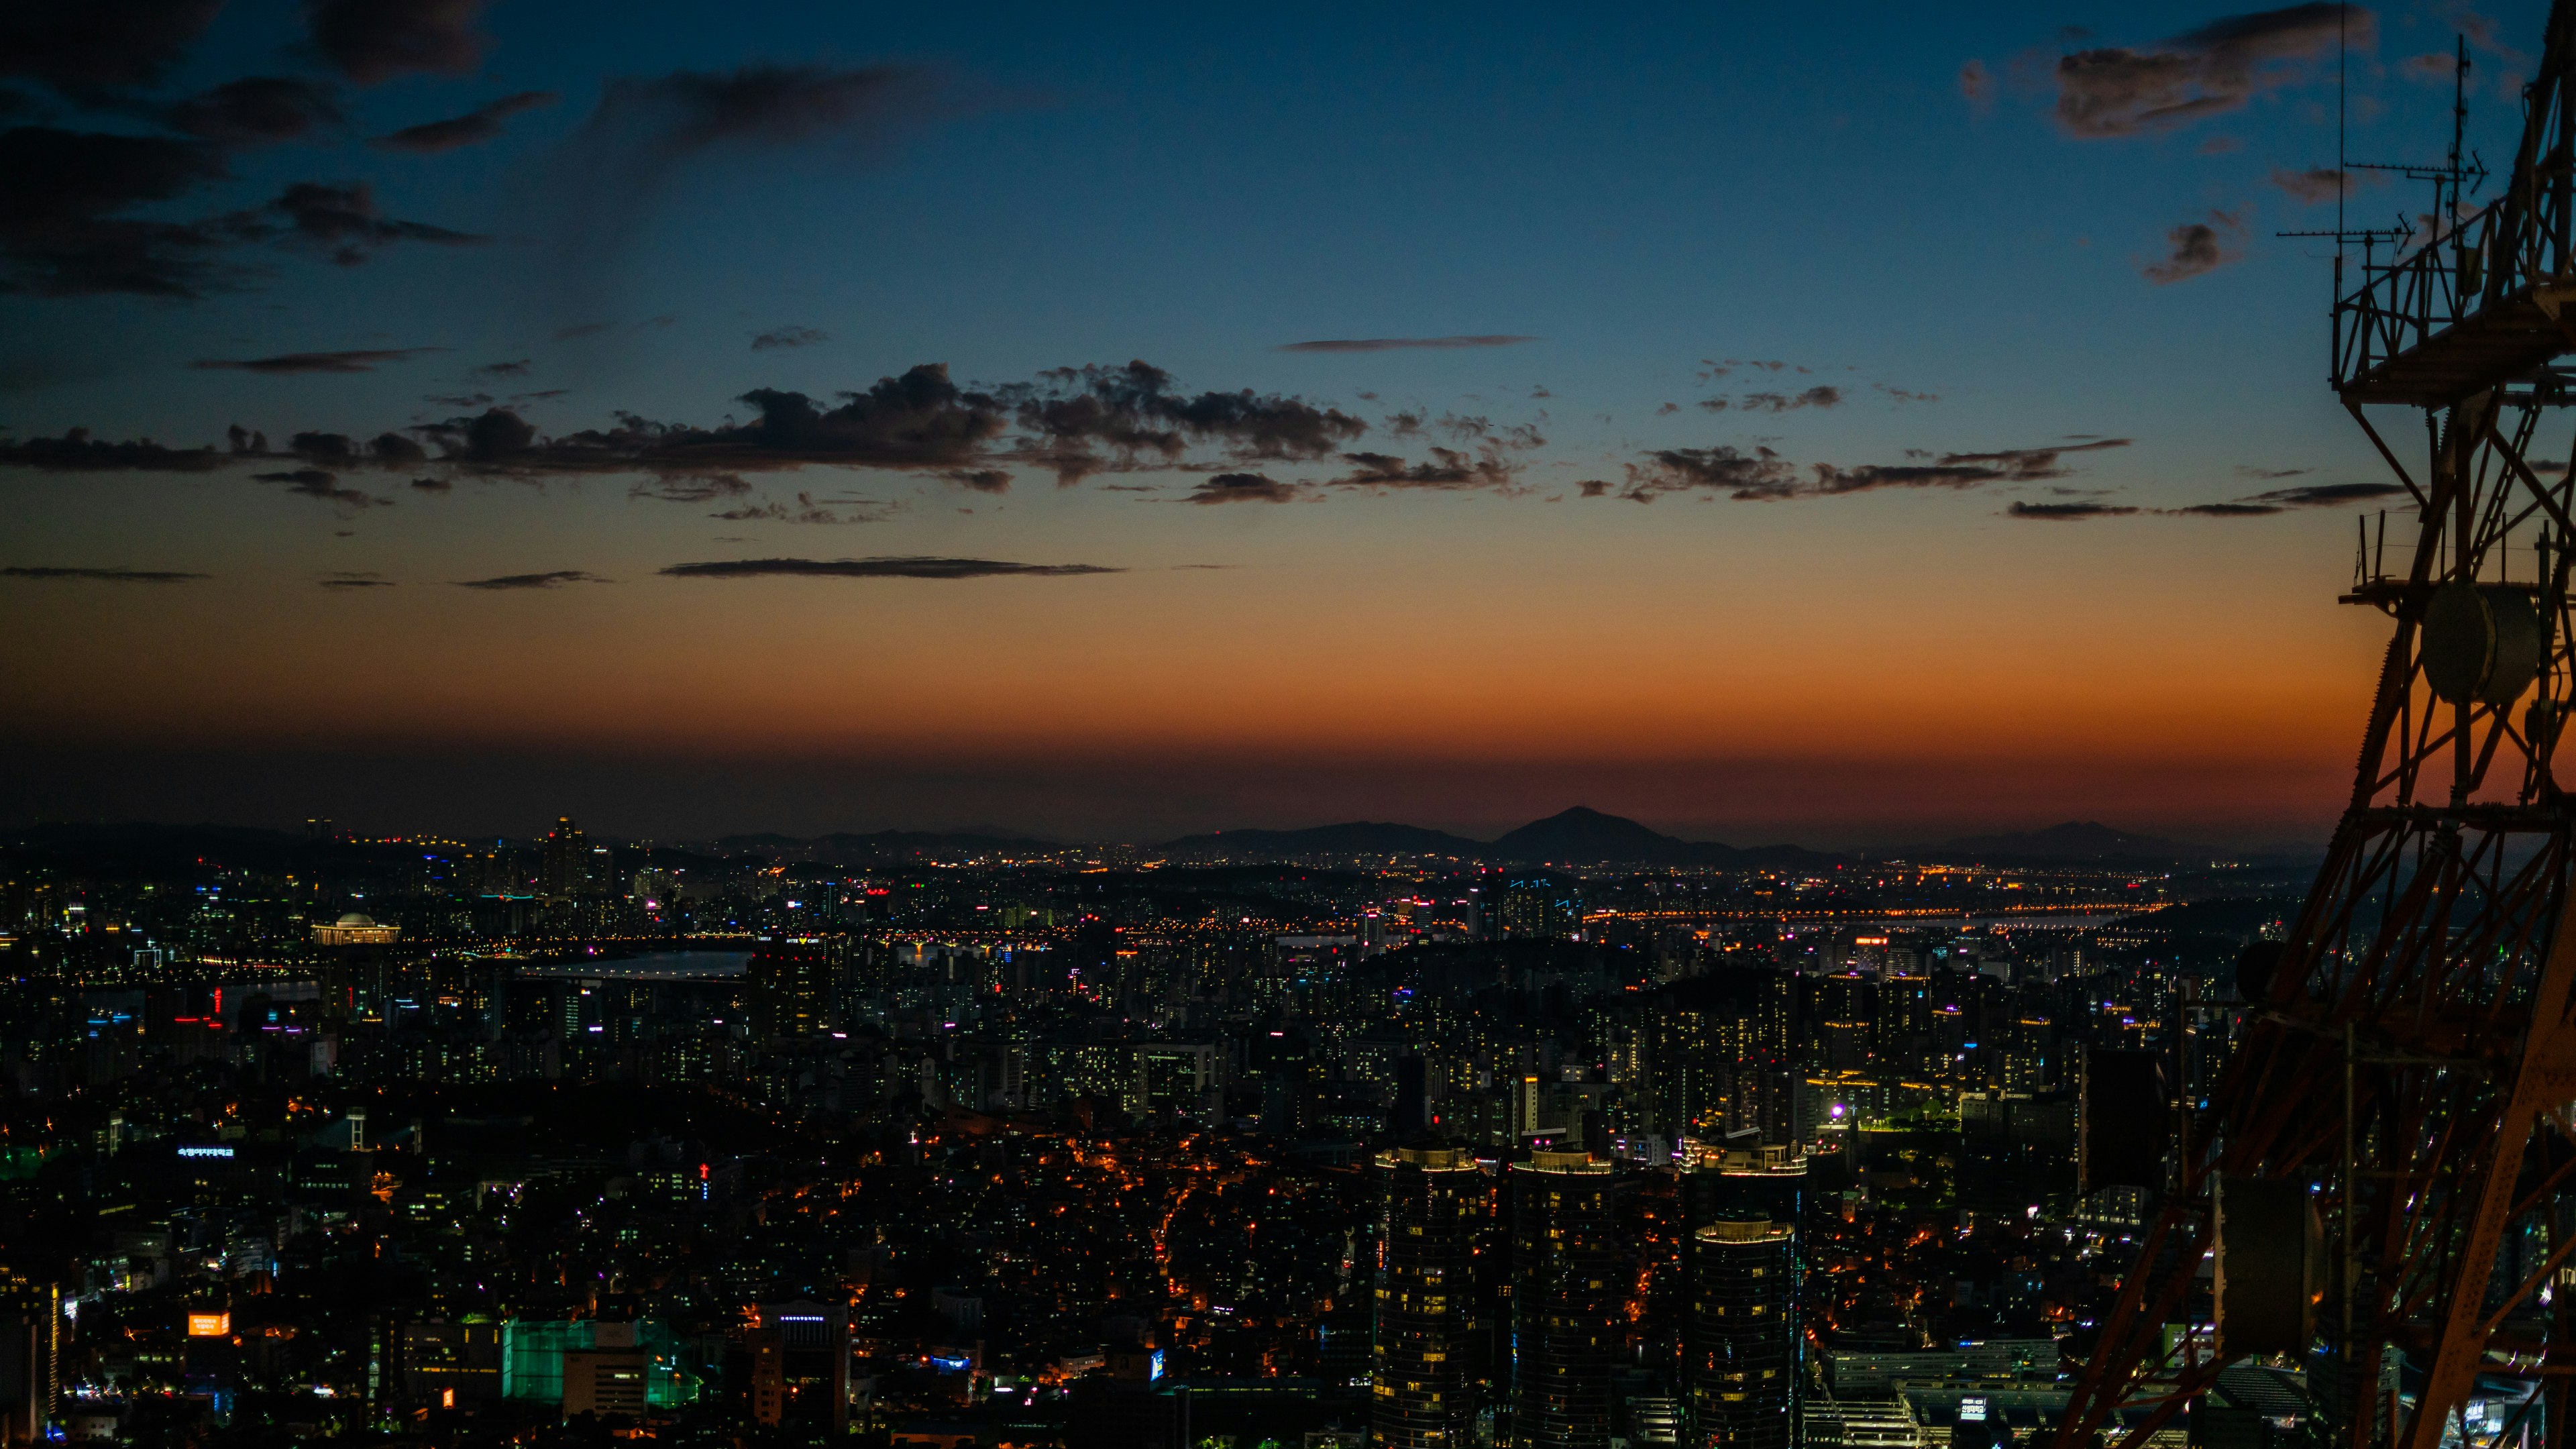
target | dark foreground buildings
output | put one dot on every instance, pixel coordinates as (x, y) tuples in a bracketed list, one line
[(1425, 1353), (1566, 1293)]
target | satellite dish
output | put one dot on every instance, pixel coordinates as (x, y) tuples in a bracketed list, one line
[(2519, 645), (2458, 642), (2480, 642), (2254, 968)]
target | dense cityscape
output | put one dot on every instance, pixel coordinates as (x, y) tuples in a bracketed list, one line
[(1319, 1138)]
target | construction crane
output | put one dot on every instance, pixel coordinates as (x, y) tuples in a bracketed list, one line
[(2380, 1191)]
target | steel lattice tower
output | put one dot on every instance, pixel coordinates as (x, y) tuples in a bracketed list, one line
[(2410, 1072)]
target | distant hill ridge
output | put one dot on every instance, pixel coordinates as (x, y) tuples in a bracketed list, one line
[(1579, 836)]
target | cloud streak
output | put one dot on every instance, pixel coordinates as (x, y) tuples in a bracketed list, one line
[(553, 579), (1245, 488), (788, 337), (475, 127), (2114, 92), (2070, 512), (1403, 344), (99, 575), (359, 360), (909, 566)]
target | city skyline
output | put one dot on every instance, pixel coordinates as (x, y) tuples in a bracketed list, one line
[(2021, 505)]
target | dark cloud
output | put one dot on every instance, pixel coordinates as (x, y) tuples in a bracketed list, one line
[(1244, 488), (372, 40), (765, 105), (2205, 72), (2248, 470), (362, 360), (1977, 85), (646, 130), (1398, 344), (2433, 67), (60, 232), (1870, 477), (1759, 475), (459, 399), (788, 337), (471, 129), (518, 368), (581, 329), (2312, 186), (77, 452), (2227, 510), (898, 567), (2328, 495), (495, 438), (256, 111), (1906, 395), (85, 48), (555, 579), (1763, 476), (347, 581), (700, 488), (346, 221), (101, 576), (2069, 512), (808, 509), (323, 484), (339, 450), (920, 419), (2023, 465), (1070, 415), (2196, 248), (432, 485), (1490, 461), (1774, 402), (1076, 421)]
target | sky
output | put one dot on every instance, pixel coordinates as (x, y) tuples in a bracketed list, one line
[(1849, 427)]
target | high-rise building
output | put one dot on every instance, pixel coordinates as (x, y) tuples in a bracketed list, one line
[(1742, 1351), (566, 869), (1540, 908), (1744, 1208), (791, 986), (30, 1357), (1422, 1350), (1566, 1298)]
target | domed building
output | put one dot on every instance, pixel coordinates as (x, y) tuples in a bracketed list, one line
[(355, 929)]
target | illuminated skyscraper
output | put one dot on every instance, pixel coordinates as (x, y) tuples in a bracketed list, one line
[(1565, 1300), (566, 861), (1744, 1208), (791, 986), (30, 1357), (1435, 1199)]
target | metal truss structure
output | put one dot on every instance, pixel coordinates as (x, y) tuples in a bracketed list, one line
[(2411, 1063)]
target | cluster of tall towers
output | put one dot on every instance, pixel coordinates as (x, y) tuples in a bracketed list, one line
[(1564, 1294)]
